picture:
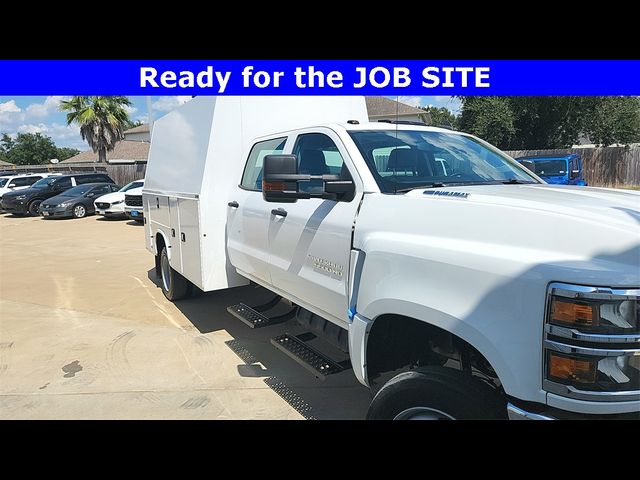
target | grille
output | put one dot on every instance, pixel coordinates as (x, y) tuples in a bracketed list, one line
[(102, 205), (133, 200)]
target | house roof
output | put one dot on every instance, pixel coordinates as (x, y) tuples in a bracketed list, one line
[(385, 107), (144, 128), (125, 150)]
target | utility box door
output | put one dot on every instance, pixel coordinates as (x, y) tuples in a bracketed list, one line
[(159, 209), (176, 248), (189, 240)]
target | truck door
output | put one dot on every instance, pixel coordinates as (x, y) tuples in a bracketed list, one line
[(248, 216), (310, 240)]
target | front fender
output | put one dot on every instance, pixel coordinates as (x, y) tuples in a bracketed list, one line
[(497, 310)]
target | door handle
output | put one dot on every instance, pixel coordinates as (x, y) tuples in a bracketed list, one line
[(233, 204), (183, 237), (279, 212)]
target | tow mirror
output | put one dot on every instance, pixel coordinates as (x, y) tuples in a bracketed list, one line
[(280, 178), (281, 182)]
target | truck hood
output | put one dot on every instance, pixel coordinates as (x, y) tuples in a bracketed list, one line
[(605, 206), (581, 235)]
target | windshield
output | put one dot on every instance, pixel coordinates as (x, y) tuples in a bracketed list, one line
[(550, 167), (45, 182), (3, 181), (77, 191), (129, 186), (416, 159)]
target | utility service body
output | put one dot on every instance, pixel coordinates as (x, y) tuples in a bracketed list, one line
[(310, 77)]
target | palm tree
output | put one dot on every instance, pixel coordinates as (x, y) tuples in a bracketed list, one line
[(102, 120)]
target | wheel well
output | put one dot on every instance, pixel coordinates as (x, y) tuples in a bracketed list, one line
[(159, 246), (396, 343)]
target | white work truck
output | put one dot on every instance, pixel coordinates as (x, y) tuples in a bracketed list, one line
[(459, 284)]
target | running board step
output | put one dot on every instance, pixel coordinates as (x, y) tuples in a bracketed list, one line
[(248, 315), (317, 363)]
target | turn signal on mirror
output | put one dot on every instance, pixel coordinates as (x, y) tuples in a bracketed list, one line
[(571, 370)]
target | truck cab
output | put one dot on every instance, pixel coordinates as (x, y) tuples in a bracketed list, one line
[(458, 282), (557, 170)]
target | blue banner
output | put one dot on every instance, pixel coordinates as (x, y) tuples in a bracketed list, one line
[(322, 77)]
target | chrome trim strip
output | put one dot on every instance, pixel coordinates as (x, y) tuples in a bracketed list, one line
[(516, 413), (574, 334), (596, 293), (595, 352), (572, 392)]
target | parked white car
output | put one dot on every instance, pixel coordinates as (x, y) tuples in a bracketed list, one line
[(12, 183), (133, 204), (112, 204)]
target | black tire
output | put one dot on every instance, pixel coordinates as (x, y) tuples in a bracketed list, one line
[(34, 207), (174, 286), (437, 393), (79, 211)]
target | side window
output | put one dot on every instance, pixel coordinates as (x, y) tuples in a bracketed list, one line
[(114, 188), (81, 179), (318, 155), (31, 180), (63, 184), (22, 182), (101, 190), (252, 176)]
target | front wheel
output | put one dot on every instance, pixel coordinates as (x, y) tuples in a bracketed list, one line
[(436, 393), (34, 207), (79, 211), (174, 286)]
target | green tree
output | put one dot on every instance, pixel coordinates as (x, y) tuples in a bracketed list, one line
[(132, 124), (490, 118), (441, 117), (102, 120), (6, 144), (29, 149), (551, 122), (613, 120), (66, 152)]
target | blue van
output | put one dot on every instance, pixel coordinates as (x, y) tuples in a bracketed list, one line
[(557, 170)]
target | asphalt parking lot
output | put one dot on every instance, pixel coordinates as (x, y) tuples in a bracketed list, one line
[(85, 333)]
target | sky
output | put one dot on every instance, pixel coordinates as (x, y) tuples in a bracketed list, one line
[(40, 114)]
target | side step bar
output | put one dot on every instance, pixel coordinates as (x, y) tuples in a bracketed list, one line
[(248, 315), (317, 363), (252, 317)]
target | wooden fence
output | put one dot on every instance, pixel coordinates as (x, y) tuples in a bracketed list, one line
[(617, 167), (121, 174)]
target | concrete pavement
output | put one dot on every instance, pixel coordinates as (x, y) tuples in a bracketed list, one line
[(85, 333)]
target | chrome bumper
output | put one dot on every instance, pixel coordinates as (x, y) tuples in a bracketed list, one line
[(516, 413)]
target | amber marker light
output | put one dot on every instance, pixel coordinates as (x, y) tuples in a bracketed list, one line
[(568, 369), (574, 314)]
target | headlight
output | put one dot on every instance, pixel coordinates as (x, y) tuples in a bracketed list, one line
[(595, 312), (118, 202), (592, 343), (595, 373), (63, 204), (21, 197)]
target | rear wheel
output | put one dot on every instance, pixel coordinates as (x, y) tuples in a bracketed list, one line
[(34, 207), (79, 211), (174, 286), (436, 393)]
